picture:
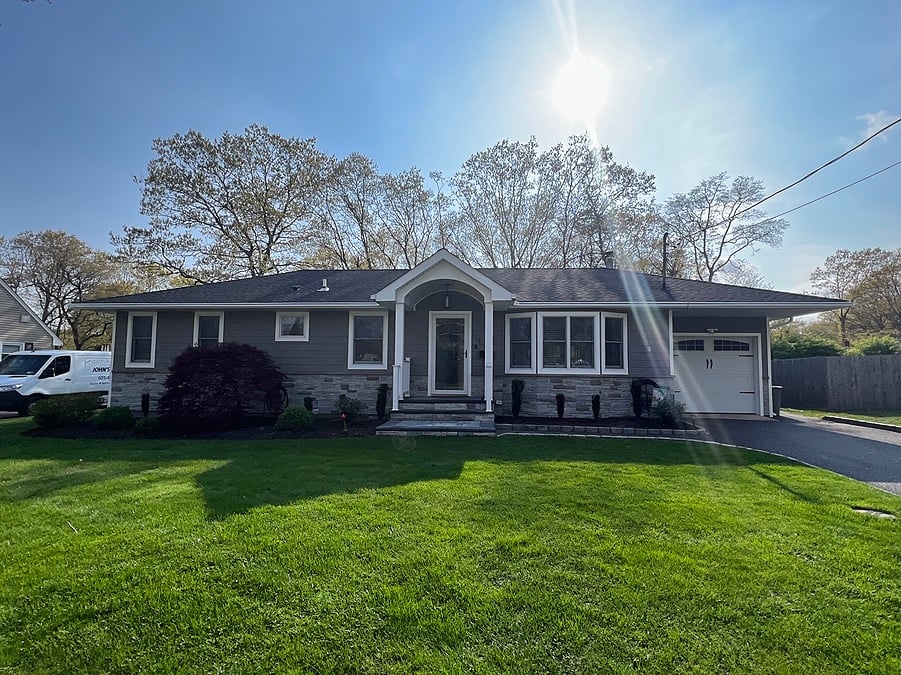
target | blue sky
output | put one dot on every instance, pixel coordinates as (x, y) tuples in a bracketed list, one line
[(767, 89)]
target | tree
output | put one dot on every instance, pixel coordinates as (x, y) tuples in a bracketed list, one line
[(874, 345), (602, 207), (505, 198), (877, 308), (570, 206), (793, 342), (714, 223), (369, 220), (52, 269), (741, 273), (227, 208), (345, 224), (863, 277), (220, 385), (411, 217)]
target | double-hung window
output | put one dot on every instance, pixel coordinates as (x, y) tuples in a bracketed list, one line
[(521, 343), (292, 326), (208, 328), (7, 348), (367, 340), (615, 336), (568, 342), (140, 347)]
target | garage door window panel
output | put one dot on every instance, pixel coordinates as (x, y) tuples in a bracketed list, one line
[(720, 345)]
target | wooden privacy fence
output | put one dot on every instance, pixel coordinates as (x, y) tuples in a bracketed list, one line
[(840, 382)]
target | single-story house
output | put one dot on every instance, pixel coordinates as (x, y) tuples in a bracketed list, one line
[(20, 327), (447, 331)]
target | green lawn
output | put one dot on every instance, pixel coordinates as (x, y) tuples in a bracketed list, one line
[(371, 555), (884, 416)]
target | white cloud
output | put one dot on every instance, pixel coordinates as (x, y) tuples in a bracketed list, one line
[(658, 65), (875, 121)]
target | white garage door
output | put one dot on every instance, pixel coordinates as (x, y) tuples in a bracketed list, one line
[(717, 374)]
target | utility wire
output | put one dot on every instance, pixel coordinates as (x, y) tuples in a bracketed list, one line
[(829, 194), (831, 161)]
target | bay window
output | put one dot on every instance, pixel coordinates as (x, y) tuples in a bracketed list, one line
[(568, 342)]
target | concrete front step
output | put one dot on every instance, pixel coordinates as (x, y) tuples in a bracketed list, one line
[(418, 414), (432, 427), (437, 405)]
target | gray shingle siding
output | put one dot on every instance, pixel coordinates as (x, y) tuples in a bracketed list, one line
[(324, 353), (13, 329), (649, 346)]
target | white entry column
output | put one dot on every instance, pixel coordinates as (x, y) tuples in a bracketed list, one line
[(398, 377), (489, 356)]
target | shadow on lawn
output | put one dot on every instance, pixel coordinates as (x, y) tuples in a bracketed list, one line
[(278, 475), (255, 474)]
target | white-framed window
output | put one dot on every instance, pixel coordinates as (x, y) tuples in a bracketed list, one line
[(140, 340), (615, 341), (7, 348), (568, 342), (292, 326), (367, 340), (208, 328), (521, 343)]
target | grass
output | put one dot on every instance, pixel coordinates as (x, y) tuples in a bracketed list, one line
[(514, 554), (884, 416)]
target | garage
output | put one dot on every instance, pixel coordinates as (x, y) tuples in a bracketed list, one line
[(717, 373)]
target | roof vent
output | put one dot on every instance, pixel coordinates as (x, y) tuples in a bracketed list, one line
[(295, 288), (324, 285)]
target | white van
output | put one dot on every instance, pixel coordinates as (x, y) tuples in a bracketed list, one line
[(27, 377)]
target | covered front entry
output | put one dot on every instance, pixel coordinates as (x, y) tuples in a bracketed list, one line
[(717, 373), (450, 339), (450, 353)]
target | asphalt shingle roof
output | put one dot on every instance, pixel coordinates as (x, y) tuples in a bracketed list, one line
[(552, 286)]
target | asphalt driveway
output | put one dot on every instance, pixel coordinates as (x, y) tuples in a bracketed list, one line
[(869, 455)]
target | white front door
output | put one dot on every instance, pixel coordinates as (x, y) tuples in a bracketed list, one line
[(450, 353), (717, 374)]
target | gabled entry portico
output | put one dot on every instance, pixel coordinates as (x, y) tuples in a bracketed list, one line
[(449, 335)]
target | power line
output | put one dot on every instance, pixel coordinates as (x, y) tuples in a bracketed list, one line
[(820, 168), (829, 194)]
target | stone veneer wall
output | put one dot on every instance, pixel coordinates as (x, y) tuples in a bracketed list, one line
[(539, 398), (128, 387), (326, 389)]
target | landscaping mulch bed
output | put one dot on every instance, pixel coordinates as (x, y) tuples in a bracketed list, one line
[(622, 422), (253, 428), (248, 429)]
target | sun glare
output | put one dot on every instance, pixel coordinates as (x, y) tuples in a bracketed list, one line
[(581, 87)]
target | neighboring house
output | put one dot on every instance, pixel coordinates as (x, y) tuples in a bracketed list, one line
[(20, 327), (444, 330)]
